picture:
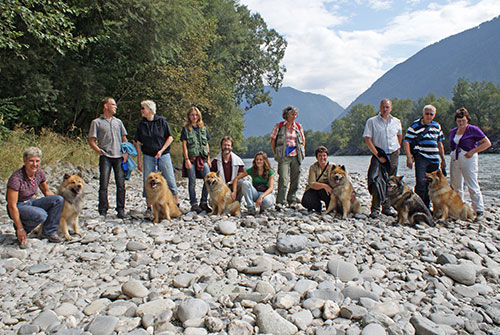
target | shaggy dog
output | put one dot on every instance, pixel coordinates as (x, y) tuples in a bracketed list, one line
[(160, 197), (445, 200), (220, 196), (343, 198), (407, 203)]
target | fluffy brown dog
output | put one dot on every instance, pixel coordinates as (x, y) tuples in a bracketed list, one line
[(220, 195), (407, 203), (71, 190), (343, 198), (445, 200), (160, 197)]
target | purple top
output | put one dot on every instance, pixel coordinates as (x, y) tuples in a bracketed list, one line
[(26, 187), (469, 139)]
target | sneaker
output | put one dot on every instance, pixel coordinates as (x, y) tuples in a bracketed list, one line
[(251, 211), (388, 212), (196, 208), (204, 207), (278, 207), (479, 216), (54, 238), (121, 214)]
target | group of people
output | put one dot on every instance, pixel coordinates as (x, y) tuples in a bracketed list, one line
[(424, 149), (423, 145)]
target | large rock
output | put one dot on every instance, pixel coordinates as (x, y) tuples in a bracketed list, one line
[(134, 289), (425, 326), (102, 325), (192, 309), (464, 273), (343, 270), (291, 243), (271, 322)]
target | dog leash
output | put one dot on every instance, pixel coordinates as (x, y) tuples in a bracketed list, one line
[(157, 160)]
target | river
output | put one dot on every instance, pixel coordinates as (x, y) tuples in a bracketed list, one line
[(489, 171)]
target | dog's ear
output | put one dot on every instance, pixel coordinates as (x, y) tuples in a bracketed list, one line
[(400, 178), (80, 174), (218, 173), (66, 176), (342, 167)]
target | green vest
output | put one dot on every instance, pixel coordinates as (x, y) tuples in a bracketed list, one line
[(197, 142), (280, 145)]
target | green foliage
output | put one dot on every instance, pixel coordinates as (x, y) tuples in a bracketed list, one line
[(55, 149), (208, 53), (482, 99)]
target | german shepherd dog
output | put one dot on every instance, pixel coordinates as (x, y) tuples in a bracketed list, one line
[(71, 189), (160, 197), (407, 203), (445, 200), (343, 198), (220, 196)]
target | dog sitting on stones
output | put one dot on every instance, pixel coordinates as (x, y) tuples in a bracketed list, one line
[(343, 198)]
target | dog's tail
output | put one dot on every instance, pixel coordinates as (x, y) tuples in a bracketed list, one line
[(422, 218)]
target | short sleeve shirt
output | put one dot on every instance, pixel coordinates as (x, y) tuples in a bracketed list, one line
[(26, 187), (256, 180), (384, 134), (153, 135), (109, 133), (291, 135)]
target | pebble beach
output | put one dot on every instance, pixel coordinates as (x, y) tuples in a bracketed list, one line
[(279, 272)]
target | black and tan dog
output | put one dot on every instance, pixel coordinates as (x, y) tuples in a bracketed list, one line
[(445, 200), (343, 198), (220, 196), (407, 203), (160, 197)]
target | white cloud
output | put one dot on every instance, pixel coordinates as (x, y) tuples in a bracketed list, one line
[(342, 64)]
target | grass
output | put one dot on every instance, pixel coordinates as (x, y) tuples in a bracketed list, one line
[(56, 149)]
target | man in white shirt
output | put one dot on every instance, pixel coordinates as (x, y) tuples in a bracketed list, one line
[(383, 135)]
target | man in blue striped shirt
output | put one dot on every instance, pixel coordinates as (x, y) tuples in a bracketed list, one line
[(423, 144)]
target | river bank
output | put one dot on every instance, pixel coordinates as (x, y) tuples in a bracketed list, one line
[(287, 272)]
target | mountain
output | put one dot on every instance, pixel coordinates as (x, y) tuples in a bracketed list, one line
[(316, 112), (472, 54)]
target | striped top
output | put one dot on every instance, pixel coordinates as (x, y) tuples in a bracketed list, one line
[(427, 146)]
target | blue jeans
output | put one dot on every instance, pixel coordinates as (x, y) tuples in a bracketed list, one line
[(422, 166), (105, 166), (36, 211), (192, 184), (164, 166), (251, 195)]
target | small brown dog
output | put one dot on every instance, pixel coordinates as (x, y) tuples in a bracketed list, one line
[(407, 203), (445, 200), (343, 198), (71, 189), (220, 196), (160, 197)]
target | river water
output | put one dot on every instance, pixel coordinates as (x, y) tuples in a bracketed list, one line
[(489, 171)]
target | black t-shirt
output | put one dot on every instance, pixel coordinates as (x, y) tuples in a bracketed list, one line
[(153, 134)]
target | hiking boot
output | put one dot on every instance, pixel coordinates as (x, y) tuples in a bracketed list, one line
[(479, 216), (251, 211), (388, 212), (204, 207), (196, 208), (121, 214), (374, 214), (54, 238), (279, 207)]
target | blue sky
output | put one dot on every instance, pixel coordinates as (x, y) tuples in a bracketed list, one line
[(338, 48)]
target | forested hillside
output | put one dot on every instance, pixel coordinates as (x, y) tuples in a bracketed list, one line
[(58, 59), (482, 99)]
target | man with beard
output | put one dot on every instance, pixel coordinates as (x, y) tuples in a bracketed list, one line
[(228, 164)]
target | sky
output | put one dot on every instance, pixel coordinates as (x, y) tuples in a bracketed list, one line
[(339, 48)]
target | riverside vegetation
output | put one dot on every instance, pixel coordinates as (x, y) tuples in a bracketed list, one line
[(281, 273)]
